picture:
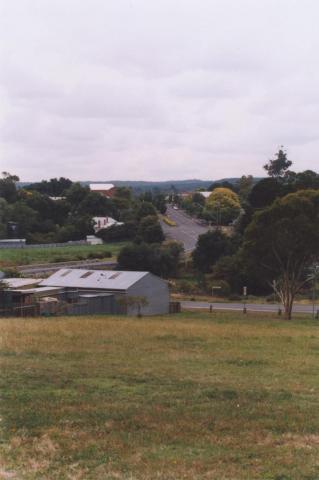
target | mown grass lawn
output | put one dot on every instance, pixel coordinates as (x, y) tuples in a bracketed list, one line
[(10, 257), (192, 396)]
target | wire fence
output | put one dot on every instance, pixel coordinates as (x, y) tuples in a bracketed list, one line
[(42, 245)]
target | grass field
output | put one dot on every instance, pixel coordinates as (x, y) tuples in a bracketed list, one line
[(192, 396), (25, 256)]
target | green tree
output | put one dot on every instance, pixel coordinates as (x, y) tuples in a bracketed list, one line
[(265, 192), (96, 205), (137, 257), (278, 166), (42, 204), (118, 233), (282, 241), (122, 198), (23, 215), (302, 180), (157, 199), (198, 199), (245, 184), (54, 187), (161, 260), (77, 228), (150, 230), (191, 207), (210, 247), (8, 189), (234, 270), (145, 209), (3, 226), (76, 193), (171, 253)]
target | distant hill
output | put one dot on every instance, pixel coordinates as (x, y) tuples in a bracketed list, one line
[(169, 185), (164, 186), (139, 186)]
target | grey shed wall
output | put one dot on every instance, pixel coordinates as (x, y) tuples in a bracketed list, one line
[(156, 292)]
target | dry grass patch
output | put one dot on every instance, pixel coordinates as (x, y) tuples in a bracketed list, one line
[(192, 396)]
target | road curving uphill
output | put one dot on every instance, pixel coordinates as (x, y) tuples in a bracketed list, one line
[(185, 229)]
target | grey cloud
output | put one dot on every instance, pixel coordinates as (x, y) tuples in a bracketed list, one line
[(140, 89)]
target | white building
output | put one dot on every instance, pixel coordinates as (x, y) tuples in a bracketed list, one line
[(104, 222), (205, 194)]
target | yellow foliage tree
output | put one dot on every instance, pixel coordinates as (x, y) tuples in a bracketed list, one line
[(222, 206), (224, 198)]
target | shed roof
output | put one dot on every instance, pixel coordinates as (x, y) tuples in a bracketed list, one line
[(21, 282), (96, 295), (95, 279), (28, 291)]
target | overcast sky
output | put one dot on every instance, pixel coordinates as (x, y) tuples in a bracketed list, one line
[(157, 89)]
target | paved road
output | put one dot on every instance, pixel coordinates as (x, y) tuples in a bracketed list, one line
[(252, 307), (53, 267), (187, 228)]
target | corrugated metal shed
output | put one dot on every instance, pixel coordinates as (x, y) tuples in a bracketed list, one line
[(95, 279)]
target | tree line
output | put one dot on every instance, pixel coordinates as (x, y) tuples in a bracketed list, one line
[(31, 212), (275, 245), (59, 210)]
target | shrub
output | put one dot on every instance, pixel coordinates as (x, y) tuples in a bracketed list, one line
[(186, 286), (235, 297), (118, 233), (224, 289), (169, 222), (100, 255), (11, 272), (60, 258)]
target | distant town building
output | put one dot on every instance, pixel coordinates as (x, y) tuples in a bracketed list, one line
[(104, 222), (106, 189), (190, 194), (205, 194)]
